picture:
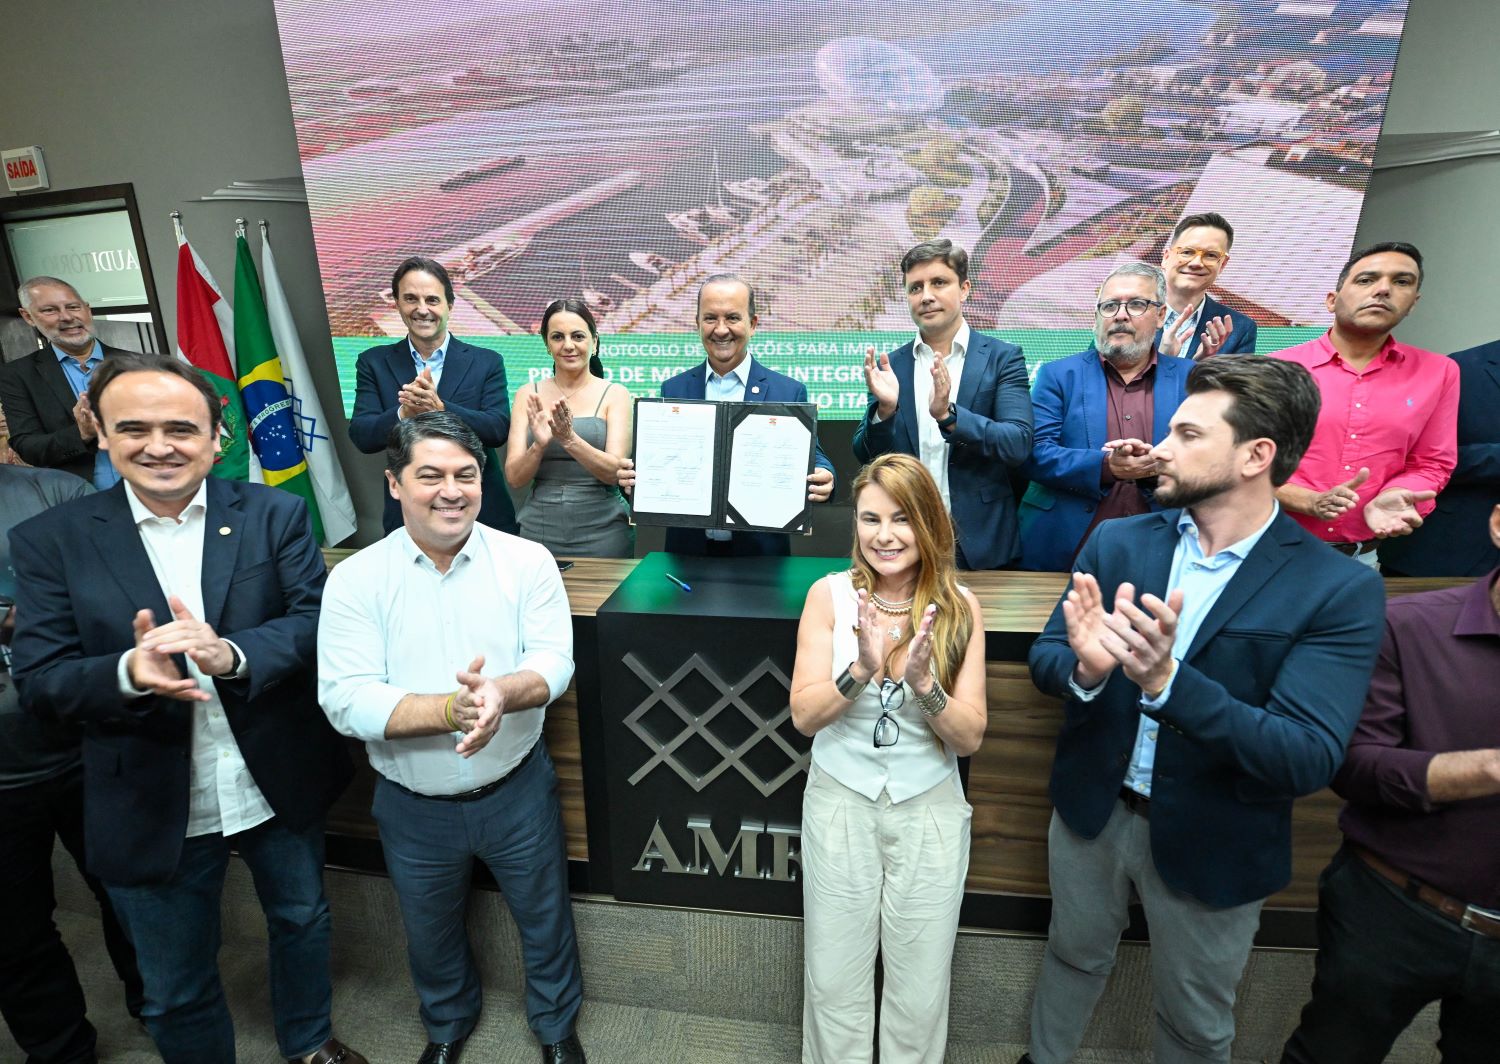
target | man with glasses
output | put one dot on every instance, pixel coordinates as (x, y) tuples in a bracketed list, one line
[(43, 393), (1097, 415), (1387, 437), (957, 401), (1197, 325)]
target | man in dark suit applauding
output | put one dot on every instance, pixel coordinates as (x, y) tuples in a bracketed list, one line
[(1197, 325), (193, 741), (726, 322), (1213, 660), (957, 401), (430, 369), (42, 393)]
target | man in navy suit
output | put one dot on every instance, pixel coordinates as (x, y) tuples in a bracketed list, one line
[(1097, 415), (193, 741), (1452, 540), (957, 401), (1213, 660), (726, 322), (433, 370), (1197, 325)]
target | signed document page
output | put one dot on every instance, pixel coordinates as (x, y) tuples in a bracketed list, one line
[(674, 458), (768, 462)]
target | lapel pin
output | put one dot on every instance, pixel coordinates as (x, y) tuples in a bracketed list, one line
[(755, 390), (224, 530)]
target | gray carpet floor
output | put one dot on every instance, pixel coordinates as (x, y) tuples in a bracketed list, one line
[(661, 985)]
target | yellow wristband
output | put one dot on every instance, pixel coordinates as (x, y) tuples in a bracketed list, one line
[(448, 712)]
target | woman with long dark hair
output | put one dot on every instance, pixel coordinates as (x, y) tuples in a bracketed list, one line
[(889, 682), (568, 435)]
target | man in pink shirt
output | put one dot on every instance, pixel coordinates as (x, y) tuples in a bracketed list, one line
[(1387, 435)]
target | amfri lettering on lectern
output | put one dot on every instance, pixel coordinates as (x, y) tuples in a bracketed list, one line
[(741, 858)]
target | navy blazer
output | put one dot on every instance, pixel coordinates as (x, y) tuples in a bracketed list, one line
[(38, 403), (1454, 539), (763, 386), (82, 573), (1071, 403), (1260, 711), (992, 436), (472, 387), (1241, 338)]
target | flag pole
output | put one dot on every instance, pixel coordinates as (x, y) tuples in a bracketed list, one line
[(177, 226), (239, 227)]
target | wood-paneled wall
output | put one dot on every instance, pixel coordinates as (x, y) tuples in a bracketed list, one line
[(1007, 777)]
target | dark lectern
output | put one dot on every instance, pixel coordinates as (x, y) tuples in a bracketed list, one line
[(704, 769)]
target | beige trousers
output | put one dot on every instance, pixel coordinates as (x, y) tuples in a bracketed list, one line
[(887, 877)]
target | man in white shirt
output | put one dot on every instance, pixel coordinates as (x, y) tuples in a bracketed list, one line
[(958, 401), (440, 647), (193, 742)]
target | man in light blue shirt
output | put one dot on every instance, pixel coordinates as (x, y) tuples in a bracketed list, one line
[(440, 647), (44, 429)]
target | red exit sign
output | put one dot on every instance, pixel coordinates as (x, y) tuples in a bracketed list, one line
[(24, 169)]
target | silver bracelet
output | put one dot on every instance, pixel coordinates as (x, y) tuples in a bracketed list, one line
[(848, 686), (933, 702)]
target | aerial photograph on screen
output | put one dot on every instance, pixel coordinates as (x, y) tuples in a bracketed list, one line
[(621, 154)]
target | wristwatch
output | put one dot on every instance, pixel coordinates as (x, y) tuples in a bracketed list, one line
[(234, 663), (952, 419)]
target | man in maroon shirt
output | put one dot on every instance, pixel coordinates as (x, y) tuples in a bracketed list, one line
[(1409, 910)]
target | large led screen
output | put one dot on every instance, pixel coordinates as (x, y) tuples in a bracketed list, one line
[(623, 152)]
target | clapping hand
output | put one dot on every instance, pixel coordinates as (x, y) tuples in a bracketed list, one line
[(1083, 612), (1215, 332), (477, 708), (1142, 642), (1331, 504), (1130, 459), (538, 421), (918, 675), (561, 422), (83, 417), (1394, 512), (942, 387), (869, 633), (154, 671), (420, 396), (881, 381)]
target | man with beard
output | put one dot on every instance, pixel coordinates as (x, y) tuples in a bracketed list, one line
[(43, 393), (1097, 414), (1387, 436), (1213, 659)]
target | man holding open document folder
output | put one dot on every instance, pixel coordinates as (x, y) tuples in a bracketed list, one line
[(726, 322)]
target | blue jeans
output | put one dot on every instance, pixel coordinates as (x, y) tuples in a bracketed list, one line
[(517, 831), (176, 931)]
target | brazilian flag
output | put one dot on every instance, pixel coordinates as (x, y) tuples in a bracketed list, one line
[(269, 407)]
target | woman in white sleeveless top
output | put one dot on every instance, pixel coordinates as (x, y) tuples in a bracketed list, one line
[(891, 706)]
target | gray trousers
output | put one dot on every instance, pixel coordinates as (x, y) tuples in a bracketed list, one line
[(1198, 952)]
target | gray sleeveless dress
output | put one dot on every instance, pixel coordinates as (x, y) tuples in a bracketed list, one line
[(570, 512)]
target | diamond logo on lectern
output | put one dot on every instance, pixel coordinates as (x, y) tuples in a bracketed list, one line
[(661, 693)]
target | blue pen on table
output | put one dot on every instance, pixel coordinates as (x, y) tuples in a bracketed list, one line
[(680, 583)]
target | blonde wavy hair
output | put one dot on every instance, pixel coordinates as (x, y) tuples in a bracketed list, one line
[(915, 493)]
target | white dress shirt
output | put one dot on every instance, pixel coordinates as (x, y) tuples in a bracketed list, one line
[(222, 795), (392, 625), (932, 445)]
